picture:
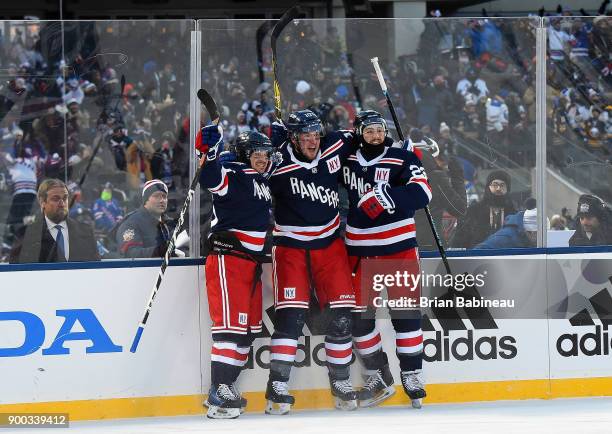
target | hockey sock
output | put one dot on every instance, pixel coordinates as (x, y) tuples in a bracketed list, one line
[(338, 349), (409, 343), (245, 343), (288, 325), (282, 356), (226, 361), (368, 343)]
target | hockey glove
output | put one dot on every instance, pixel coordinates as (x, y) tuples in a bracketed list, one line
[(226, 157), (278, 135), (432, 146), (377, 200), (210, 141)]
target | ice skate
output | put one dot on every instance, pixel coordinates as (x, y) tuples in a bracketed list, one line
[(413, 387), (223, 403), (243, 401), (345, 397), (378, 387), (279, 401)]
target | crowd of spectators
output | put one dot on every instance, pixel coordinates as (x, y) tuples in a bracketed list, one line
[(104, 108), (470, 85)]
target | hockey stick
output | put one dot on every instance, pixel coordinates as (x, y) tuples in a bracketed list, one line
[(349, 60), (398, 127), (287, 17), (261, 33), (213, 112), (120, 95)]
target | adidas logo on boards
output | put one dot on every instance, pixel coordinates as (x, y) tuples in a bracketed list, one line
[(596, 343)]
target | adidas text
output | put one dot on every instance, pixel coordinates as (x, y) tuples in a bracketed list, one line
[(443, 348), (587, 344)]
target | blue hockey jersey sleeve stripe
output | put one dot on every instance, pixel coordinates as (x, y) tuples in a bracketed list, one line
[(286, 169), (395, 161), (424, 184), (333, 148), (221, 189)]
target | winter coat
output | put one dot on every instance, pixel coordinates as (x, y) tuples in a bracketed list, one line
[(476, 225), (601, 237), (141, 235)]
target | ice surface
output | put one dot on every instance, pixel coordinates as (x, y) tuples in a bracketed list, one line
[(575, 416)]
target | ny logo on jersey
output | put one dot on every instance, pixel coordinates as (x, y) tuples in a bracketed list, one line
[(243, 318), (289, 293), (381, 175), (333, 164)]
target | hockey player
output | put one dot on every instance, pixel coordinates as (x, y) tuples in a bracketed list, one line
[(241, 216), (308, 254), (385, 185)]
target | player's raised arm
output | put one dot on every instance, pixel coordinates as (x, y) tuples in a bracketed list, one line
[(209, 142), (416, 194)]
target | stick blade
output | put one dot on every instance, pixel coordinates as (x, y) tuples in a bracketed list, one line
[(210, 104), (136, 340)]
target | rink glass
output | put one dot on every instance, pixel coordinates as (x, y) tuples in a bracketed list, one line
[(62, 102), (320, 61)]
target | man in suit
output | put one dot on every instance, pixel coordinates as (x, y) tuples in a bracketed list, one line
[(52, 236)]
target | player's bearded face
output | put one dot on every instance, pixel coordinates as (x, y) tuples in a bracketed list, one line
[(259, 161), (308, 144), (374, 134)]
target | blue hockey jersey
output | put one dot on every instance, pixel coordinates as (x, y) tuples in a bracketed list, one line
[(306, 194), (241, 202), (390, 232)]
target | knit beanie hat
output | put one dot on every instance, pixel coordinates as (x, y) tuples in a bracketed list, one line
[(151, 187), (590, 205)]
